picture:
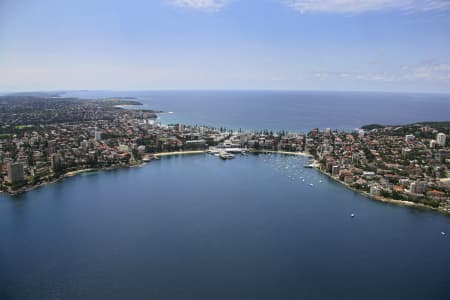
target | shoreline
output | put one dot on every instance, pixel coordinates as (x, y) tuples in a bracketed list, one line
[(175, 153), (140, 164), (384, 199), (282, 152), (197, 152), (74, 173), (66, 175)]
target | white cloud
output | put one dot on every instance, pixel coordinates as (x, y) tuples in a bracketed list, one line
[(358, 76), (203, 5), (431, 72), (361, 6)]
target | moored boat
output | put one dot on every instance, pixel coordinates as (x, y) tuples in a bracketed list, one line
[(226, 155)]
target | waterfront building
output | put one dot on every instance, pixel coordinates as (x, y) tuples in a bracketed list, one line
[(349, 179), (440, 139), (418, 187), (15, 173), (41, 168), (375, 190), (329, 166), (141, 149), (55, 161), (335, 171)]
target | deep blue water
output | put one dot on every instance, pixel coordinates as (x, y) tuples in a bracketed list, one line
[(251, 228), (294, 111), (197, 227)]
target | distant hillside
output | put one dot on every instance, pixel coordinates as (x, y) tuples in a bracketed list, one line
[(36, 94), (372, 126), (444, 125)]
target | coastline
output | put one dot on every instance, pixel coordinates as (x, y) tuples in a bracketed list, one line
[(89, 170), (74, 173), (384, 199), (174, 153), (282, 152), (157, 155), (197, 152), (68, 175)]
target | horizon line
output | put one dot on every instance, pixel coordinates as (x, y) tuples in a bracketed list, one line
[(3, 93)]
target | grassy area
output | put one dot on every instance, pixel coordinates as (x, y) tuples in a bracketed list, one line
[(22, 126)]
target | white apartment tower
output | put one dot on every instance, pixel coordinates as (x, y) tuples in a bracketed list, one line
[(440, 139)]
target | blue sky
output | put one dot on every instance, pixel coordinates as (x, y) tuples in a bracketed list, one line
[(381, 45)]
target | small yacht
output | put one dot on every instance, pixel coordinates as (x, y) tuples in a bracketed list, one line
[(352, 215), (443, 233), (226, 155), (311, 184)]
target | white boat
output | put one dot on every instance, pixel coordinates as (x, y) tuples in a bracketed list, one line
[(443, 233), (226, 155), (311, 184), (352, 215), (213, 151)]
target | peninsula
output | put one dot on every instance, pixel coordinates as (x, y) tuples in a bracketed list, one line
[(44, 138)]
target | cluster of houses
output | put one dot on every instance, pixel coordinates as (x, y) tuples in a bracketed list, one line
[(405, 162), (386, 162)]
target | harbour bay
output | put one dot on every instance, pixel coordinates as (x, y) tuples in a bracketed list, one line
[(252, 226), (225, 150), (260, 226)]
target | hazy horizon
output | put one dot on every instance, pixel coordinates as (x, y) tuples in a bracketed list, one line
[(221, 90)]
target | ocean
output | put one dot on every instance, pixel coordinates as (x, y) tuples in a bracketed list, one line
[(293, 111)]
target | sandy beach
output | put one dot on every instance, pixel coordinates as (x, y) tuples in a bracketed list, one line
[(179, 153), (283, 152), (73, 173)]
